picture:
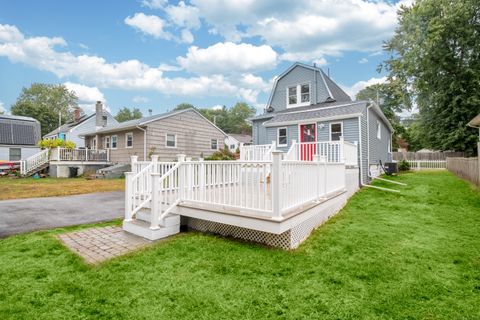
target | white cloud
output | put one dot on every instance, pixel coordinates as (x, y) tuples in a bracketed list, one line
[(85, 93), (149, 24), (87, 96), (228, 57), (140, 99), (2, 108), (355, 88), (307, 29), (184, 15), (154, 4), (186, 36), (363, 61), (42, 53), (217, 107)]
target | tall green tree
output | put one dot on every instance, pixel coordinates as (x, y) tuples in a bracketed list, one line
[(46, 103), (125, 114), (391, 100), (435, 57), (183, 106)]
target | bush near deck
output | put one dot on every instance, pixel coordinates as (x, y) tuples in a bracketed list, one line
[(414, 255), (19, 188)]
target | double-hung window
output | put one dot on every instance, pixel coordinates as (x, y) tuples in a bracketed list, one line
[(129, 140), (15, 154), (298, 95), (214, 144), (114, 142), (282, 137), (171, 140), (335, 131)]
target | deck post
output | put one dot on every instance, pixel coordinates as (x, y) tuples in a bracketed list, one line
[(275, 180), (181, 176), (156, 206), (341, 151), (154, 158), (128, 196), (86, 154), (58, 153), (201, 175), (133, 160)]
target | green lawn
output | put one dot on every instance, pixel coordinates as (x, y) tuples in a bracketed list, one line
[(410, 256)]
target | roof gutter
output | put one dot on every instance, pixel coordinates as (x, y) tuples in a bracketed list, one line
[(310, 120), (144, 142)]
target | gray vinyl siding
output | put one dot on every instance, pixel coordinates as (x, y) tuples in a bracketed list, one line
[(259, 132), (193, 134), (349, 127), (292, 134), (378, 147), (299, 75), (85, 127)]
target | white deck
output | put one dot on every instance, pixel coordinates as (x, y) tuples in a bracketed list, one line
[(271, 196)]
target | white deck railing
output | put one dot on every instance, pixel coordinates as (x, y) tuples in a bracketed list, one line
[(65, 154), (306, 151), (261, 188), (259, 152), (33, 162), (350, 153)]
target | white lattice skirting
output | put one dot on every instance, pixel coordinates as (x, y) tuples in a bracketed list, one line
[(303, 225)]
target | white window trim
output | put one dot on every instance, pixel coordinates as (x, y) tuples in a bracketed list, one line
[(379, 130), (211, 144), (330, 129), (126, 140), (299, 95), (278, 137), (166, 140), (116, 142)]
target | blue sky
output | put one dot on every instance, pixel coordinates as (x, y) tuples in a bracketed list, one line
[(158, 53)]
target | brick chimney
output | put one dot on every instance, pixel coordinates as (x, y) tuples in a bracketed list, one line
[(99, 122), (76, 114)]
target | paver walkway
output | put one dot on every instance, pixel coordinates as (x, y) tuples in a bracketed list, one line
[(24, 215), (102, 243)]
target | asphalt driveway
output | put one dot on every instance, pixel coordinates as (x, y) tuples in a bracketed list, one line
[(24, 215)]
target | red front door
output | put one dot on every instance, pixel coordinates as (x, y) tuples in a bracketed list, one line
[(307, 137)]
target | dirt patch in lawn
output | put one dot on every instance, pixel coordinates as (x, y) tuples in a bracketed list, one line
[(11, 188)]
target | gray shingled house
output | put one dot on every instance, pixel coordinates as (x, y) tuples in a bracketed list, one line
[(306, 105), (167, 135), (18, 137)]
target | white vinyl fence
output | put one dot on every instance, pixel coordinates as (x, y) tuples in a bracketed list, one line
[(427, 164)]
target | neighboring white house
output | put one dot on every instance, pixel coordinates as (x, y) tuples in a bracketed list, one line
[(74, 130), (18, 137), (233, 140)]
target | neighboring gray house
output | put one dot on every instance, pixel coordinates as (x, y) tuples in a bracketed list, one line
[(234, 140), (167, 135), (74, 130), (18, 137), (305, 105)]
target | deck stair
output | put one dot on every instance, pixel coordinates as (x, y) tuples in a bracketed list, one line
[(34, 163)]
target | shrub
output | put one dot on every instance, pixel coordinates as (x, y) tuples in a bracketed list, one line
[(54, 143), (222, 154), (404, 165)]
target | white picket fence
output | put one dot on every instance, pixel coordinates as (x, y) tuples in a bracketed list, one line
[(266, 188), (427, 164)]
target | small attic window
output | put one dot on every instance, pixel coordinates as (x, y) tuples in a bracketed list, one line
[(298, 95)]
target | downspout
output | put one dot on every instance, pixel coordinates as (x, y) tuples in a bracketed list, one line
[(314, 85), (360, 149), (368, 139), (144, 142)]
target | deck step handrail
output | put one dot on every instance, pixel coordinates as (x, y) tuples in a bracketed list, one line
[(33, 162), (138, 190)]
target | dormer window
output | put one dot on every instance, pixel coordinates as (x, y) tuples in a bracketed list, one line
[(298, 95)]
